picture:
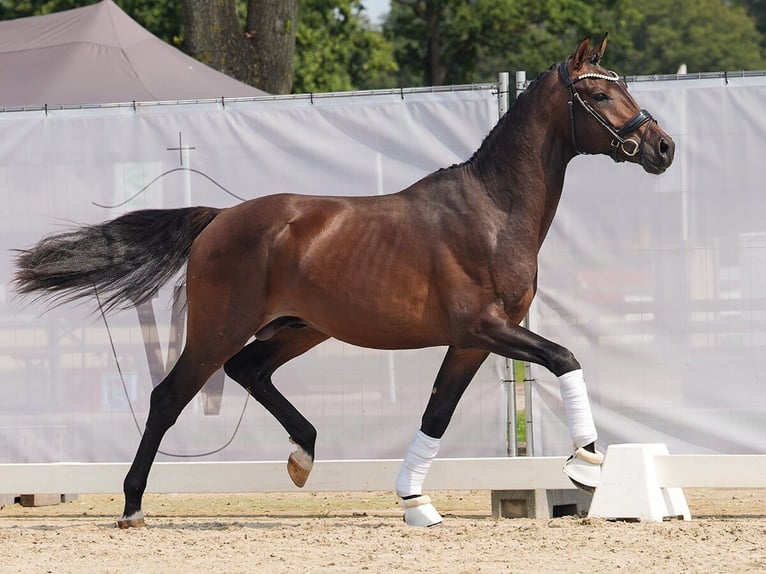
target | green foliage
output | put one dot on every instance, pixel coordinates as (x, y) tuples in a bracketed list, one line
[(336, 49), (163, 18), (521, 427), (21, 8), (655, 37), (461, 41), (757, 10), (472, 40)]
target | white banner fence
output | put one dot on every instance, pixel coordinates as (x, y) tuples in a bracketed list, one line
[(74, 388), (656, 283)]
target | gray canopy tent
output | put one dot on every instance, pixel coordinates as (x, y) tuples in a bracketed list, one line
[(98, 54)]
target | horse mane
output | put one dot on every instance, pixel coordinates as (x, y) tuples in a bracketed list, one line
[(510, 117)]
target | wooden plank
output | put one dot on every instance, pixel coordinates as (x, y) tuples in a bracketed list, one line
[(327, 476), (711, 470)]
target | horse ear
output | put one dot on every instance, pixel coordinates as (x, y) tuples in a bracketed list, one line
[(581, 54), (598, 52)]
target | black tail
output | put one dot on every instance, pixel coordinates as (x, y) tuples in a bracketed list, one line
[(124, 261)]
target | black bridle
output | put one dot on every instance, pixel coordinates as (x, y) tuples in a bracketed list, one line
[(620, 139)]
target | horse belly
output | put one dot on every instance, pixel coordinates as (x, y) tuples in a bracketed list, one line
[(359, 272), (382, 314)]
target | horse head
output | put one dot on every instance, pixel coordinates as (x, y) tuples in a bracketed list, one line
[(604, 117)]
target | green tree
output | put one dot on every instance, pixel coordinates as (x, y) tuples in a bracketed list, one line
[(656, 37), (453, 41), (258, 51), (331, 46), (163, 18), (757, 10), (459, 41), (336, 49)]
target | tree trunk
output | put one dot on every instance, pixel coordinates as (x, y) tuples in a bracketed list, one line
[(271, 26), (261, 57), (436, 66)]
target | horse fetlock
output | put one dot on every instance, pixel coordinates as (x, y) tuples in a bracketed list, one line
[(299, 465)]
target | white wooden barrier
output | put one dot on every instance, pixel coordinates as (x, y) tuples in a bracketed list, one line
[(327, 476), (711, 470), (520, 473)]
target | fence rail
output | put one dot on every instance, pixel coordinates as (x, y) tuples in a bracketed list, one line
[(519, 473)]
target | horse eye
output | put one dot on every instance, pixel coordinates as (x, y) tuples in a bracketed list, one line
[(601, 97)]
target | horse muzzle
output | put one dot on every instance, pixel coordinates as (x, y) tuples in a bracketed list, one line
[(657, 151)]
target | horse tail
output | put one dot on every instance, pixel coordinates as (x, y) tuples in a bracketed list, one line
[(123, 262)]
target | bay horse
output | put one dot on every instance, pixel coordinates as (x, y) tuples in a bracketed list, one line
[(449, 261)]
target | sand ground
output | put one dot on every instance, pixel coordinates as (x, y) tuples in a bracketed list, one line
[(364, 532)]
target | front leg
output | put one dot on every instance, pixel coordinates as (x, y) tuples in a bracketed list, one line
[(457, 370), (500, 335)]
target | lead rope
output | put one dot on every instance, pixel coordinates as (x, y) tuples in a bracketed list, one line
[(130, 403)]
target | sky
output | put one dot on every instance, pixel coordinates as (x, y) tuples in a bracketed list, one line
[(376, 9)]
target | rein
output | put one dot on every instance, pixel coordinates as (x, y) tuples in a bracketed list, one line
[(620, 140)]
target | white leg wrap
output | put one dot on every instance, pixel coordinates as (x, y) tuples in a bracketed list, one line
[(577, 408), (420, 454)]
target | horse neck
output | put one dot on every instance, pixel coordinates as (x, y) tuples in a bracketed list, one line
[(521, 163)]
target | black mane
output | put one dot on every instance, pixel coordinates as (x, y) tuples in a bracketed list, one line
[(489, 140)]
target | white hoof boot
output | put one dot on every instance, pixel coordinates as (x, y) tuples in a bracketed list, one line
[(584, 469), (420, 512)]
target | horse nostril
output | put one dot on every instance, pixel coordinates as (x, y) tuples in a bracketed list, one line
[(666, 150)]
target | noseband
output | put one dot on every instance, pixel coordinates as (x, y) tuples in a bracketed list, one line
[(620, 140)]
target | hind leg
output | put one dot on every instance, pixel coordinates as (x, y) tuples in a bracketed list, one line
[(168, 399), (253, 367)]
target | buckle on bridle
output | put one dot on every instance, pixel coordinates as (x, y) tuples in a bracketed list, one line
[(624, 147)]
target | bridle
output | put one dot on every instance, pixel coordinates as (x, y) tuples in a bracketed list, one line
[(620, 140)]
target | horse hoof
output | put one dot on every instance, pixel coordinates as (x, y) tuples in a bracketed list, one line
[(584, 469), (299, 465), (134, 521), (420, 512)]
